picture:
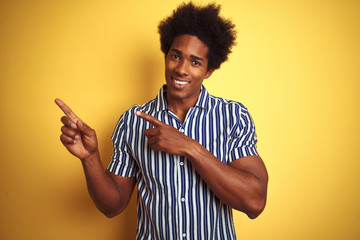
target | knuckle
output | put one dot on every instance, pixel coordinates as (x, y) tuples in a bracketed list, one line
[(63, 129), (62, 138), (63, 119), (92, 132), (65, 139), (66, 121), (161, 145)]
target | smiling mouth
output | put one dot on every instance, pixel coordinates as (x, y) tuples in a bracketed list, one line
[(179, 82)]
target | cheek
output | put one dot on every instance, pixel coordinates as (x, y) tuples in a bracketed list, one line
[(200, 75), (169, 66)]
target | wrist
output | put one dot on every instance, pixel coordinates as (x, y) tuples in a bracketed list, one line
[(91, 158), (192, 149)]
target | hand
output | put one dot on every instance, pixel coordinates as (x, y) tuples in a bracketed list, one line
[(164, 137), (79, 139)]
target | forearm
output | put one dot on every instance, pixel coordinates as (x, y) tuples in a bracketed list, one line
[(102, 189), (242, 184), (109, 194), (238, 188)]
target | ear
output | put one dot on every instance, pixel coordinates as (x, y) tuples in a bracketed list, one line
[(209, 73)]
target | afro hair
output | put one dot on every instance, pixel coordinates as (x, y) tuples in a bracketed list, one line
[(203, 22)]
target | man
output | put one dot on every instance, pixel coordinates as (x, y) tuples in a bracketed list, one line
[(192, 156)]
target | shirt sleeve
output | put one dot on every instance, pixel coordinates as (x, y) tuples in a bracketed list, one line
[(243, 136), (122, 162)]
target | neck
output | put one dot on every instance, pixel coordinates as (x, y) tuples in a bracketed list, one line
[(180, 107)]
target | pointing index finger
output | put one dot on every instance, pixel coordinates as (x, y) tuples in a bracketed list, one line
[(154, 121), (67, 110)]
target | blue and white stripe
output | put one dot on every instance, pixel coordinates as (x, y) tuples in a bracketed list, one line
[(173, 201)]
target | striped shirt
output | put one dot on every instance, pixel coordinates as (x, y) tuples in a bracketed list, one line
[(173, 201)]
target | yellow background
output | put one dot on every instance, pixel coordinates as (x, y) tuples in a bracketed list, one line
[(296, 67)]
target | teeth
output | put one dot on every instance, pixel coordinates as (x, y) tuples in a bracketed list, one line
[(180, 82)]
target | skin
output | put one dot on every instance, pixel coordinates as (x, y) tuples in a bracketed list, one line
[(186, 62), (110, 193), (242, 184)]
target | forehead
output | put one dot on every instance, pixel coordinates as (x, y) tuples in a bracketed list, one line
[(190, 45)]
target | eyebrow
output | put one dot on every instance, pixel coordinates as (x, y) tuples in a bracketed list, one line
[(191, 56)]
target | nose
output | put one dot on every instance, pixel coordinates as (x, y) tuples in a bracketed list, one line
[(182, 68)]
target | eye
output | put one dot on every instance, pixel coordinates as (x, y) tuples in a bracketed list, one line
[(196, 63), (175, 56)]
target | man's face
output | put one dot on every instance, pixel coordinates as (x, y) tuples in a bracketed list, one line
[(185, 68)]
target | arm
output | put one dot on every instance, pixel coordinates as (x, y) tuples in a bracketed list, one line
[(241, 185), (110, 193)]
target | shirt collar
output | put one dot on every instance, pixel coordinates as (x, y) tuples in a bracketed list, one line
[(161, 104)]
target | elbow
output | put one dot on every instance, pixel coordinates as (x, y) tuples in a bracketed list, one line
[(252, 207), (253, 215), (255, 208), (110, 213), (256, 204)]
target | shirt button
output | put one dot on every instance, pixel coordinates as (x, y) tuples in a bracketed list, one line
[(184, 235), (181, 163), (183, 199), (182, 130)]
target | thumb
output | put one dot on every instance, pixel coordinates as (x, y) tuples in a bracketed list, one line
[(84, 128)]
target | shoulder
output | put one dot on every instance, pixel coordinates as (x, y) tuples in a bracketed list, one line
[(234, 108), (146, 108), (129, 120)]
